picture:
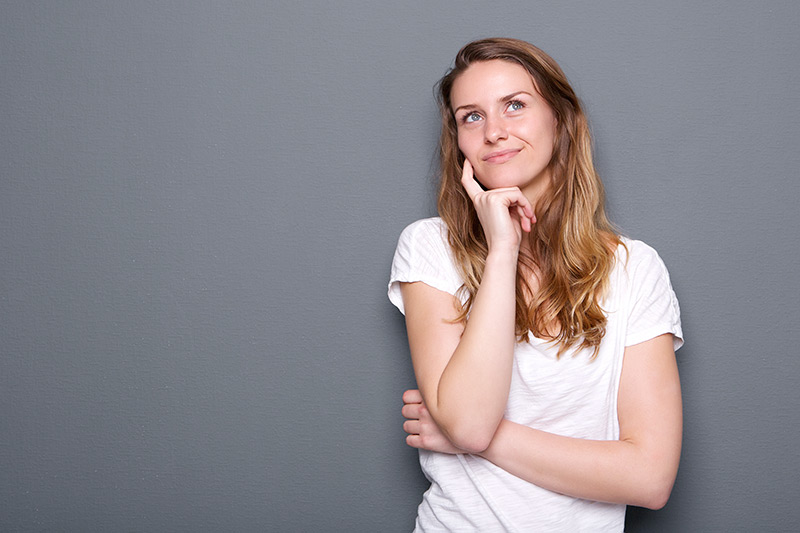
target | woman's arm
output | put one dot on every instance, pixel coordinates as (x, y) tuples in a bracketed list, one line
[(638, 469), (464, 371)]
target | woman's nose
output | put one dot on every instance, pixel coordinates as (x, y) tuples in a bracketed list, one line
[(495, 130)]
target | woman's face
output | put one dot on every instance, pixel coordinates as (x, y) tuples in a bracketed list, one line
[(505, 128)]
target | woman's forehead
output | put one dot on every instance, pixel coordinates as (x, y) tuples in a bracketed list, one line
[(490, 80)]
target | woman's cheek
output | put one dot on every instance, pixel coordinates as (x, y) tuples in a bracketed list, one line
[(466, 147)]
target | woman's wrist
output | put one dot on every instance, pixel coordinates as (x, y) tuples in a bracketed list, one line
[(500, 257)]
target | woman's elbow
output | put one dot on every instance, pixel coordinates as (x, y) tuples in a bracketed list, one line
[(471, 443), (656, 501), (653, 470), (471, 437), (468, 429), (656, 494)]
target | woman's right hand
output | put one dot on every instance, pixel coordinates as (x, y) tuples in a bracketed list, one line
[(504, 213), (422, 430)]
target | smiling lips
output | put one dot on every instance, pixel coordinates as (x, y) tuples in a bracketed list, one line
[(501, 156)]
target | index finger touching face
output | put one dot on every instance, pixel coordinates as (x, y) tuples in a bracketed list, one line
[(468, 180)]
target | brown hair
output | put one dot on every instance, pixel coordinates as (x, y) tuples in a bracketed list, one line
[(572, 243)]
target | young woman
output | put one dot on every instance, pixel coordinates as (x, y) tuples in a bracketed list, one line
[(542, 341)]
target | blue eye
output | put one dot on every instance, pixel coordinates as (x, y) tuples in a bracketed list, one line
[(471, 117), (515, 105)]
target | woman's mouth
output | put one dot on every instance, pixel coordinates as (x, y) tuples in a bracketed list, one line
[(501, 156)]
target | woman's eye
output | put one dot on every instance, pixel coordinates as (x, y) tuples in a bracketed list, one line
[(471, 117), (515, 105)]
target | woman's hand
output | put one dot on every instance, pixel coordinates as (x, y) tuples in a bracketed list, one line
[(504, 213), (422, 430)]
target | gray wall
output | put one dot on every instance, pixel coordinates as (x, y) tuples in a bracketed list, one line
[(199, 203)]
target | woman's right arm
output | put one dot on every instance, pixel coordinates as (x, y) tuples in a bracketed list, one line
[(464, 370)]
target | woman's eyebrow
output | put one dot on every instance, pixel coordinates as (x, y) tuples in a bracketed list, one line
[(511, 96), (502, 99)]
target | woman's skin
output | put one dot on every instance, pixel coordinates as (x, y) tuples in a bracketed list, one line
[(506, 132)]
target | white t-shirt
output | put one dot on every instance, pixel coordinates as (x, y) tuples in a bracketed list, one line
[(572, 395)]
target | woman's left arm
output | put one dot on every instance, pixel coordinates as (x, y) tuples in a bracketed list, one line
[(638, 469)]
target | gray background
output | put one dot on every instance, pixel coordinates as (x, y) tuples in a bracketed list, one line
[(199, 203)]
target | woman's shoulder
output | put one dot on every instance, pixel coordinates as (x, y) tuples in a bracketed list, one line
[(653, 306), (426, 232), (423, 254), (431, 225), (633, 254), (641, 269)]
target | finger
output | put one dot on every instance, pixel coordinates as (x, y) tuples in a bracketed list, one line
[(510, 197), (412, 396), (513, 196), (412, 410), (412, 427), (523, 202), (468, 180), (414, 441), (524, 221)]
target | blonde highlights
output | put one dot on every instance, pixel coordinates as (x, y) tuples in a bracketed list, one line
[(572, 244)]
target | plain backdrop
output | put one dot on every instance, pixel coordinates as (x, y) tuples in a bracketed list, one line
[(199, 203)]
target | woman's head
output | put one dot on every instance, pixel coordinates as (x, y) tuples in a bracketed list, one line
[(505, 128), (571, 131)]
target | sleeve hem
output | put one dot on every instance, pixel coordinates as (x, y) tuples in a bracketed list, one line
[(655, 331), (396, 297)]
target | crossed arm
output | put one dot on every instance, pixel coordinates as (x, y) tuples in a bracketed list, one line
[(638, 469)]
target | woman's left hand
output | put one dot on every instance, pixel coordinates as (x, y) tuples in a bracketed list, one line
[(422, 430)]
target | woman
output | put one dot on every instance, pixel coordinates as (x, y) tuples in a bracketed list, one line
[(542, 341)]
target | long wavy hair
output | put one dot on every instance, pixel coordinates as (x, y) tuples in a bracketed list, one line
[(572, 244)]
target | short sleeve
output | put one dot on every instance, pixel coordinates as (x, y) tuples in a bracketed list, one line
[(423, 254), (653, 307)]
